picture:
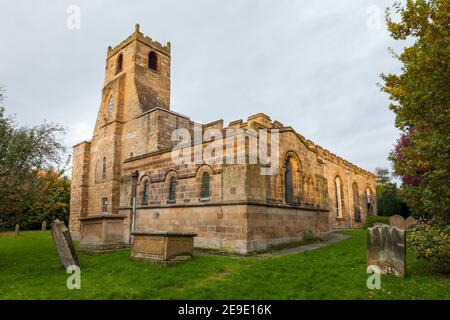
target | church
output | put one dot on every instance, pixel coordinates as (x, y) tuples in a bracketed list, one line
[(125, 178)]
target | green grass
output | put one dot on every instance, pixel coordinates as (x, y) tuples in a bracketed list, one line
[(30, 269)]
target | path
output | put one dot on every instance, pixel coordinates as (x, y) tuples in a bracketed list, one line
[(331, 238)]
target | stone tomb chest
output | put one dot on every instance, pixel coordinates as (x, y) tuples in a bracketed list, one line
[(163, 246), (102, 233)]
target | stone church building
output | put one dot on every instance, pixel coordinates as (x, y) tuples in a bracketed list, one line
[(124, 179)]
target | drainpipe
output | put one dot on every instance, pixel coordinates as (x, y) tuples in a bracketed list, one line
[(348, 200), (134, 178)]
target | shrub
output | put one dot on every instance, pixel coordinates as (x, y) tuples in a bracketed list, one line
[(431, 241), (308, 235), (370, 221)]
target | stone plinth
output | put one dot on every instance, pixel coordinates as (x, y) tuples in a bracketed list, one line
[(163, 246), (386, 248), (102, 232)]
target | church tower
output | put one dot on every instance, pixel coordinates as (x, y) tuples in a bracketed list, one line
[(137, 80), (137, 76)]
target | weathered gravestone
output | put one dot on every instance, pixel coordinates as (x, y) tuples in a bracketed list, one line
[(64, 245), (386, 248), (401, 223), (44, 226), (397, 221), (17, 230), (410, 222)]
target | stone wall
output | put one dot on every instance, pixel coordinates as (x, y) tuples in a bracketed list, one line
[(79, 187), (238, 228), (273, 225)]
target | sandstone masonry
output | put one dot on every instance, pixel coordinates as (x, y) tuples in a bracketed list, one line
[(232, 207)]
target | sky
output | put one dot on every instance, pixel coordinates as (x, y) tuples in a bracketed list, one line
[(312, 65)]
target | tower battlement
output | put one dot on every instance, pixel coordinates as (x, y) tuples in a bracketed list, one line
[(137, 35)]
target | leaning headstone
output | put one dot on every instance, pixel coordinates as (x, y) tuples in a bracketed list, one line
[(397, 221), (44, 226), (17, 230), (386, 249), (410, 222), (64, 245)]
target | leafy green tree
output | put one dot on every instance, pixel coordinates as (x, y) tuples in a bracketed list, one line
[(382, 175), (23, 153), (52, 201), (389, 201), (420, 97)]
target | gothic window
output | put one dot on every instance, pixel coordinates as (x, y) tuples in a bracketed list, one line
[(146, 192), (104, 205), (338, 189), (356, 203), (172, 188), (288, 186), (104, 168), (369, 201), (205, 186), (119, 63), (153, 60), (110, 105)]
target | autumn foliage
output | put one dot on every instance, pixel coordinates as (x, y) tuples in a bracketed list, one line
[(420, 97)]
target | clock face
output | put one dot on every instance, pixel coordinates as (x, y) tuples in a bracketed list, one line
[(110, 105)]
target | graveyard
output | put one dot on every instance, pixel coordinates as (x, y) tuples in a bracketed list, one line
[(31, 269)]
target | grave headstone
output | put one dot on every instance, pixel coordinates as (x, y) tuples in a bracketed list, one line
[(410, 222), (386, 248), (397, 221), (44, 225), (64, 245)]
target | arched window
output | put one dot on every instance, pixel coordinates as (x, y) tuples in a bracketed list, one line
[(369, 201), (204, 194), (338, 189), (356, 203), (104, 205), (153, 60), (110, 107), (104, 168), (119, 63), (172, 189), (145, 192), (288, 187)]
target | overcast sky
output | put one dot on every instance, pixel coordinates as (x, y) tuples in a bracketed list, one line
[(313, 65)]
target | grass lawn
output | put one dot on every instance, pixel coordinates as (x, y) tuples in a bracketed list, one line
[(30, 269)]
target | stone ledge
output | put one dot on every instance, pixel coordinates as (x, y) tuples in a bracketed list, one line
[(165, 233), (95, 249), (231, 203), (104, 216)]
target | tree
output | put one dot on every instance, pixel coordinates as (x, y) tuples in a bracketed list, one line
[(52, 201), (23, 153), (420, 98), (388, 198), (382, 175)]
